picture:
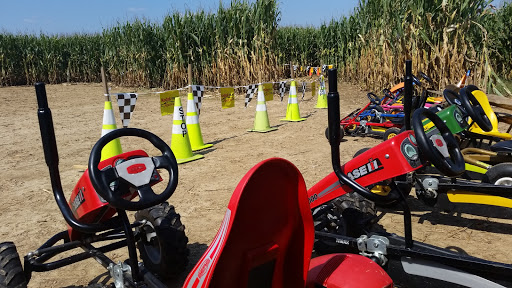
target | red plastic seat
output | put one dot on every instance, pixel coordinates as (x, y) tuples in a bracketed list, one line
[(267, 234)]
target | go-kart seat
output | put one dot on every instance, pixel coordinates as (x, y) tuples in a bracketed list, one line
[(267, 235), (502, 147), (493, 117)]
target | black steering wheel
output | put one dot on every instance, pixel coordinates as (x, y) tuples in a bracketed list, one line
[(137, 172), (442, 150), (452, 97), (416, 81), (388, 93), (374, 99), (473, 107), (427, 78)]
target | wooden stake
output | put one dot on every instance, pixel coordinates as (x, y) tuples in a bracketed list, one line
[(189, 78), (105, 84), (291, 71)]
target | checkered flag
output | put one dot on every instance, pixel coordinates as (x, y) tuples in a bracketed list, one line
[(126, 103), (251, 89), (197, 91), (324, 67), (307, 70), (303, 89), (295, 67), (314, 70), (282, 89)]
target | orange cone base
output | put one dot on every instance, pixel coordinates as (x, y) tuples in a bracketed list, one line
[(202, 147), (189, 159), (293, 120), (263, 131)]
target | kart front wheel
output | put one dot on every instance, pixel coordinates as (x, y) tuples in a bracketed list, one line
[(342, 133), (390, 133), (11, 271), (162, 243)]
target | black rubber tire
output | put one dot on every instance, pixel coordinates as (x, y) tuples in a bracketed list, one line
[(360, 151), (165, 255), (11, 271), (497, 173), (390, 133), (349, 215), (342, 133)]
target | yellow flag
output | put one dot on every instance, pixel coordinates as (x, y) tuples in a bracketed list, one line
[(268, 90), (227, 97), (167, 101), (313, 88), (330, 66)]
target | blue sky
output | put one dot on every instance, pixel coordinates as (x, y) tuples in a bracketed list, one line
[(72, 16)]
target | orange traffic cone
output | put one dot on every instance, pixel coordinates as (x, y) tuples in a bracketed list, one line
[(180, 143)]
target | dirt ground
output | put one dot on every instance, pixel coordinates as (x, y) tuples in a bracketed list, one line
[(29, 214)]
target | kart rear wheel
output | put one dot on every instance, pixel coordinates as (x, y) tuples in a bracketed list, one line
[(390, 133), (11, 271), (499, 174), (163, 243), (348, 215)]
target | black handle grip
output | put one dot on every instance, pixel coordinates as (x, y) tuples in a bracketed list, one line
[(333, 114), (408, 94), (44, 115)]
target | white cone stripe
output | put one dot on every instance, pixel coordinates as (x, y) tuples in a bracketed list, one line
[(191, 106), (192, 120), (292, 100), (177, 129), (178, 115), (108, 117), (293, 90), (261, 96), (261, 107), (105, 131)]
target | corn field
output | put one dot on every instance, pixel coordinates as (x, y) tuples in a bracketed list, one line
[(243, 43)]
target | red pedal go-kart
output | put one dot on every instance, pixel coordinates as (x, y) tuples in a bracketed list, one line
[(381, 117), (371, 120), (96, 214), (272, 247), (268, 249), (342, 203)]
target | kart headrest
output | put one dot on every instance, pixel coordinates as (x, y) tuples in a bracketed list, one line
[(267, 233)]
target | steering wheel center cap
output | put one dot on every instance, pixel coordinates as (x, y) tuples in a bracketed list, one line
[(440, 144)]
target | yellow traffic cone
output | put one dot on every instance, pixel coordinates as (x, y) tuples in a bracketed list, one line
[(180, 143), (194, 130), (261, 123), (292, 111), (322, 96), (113, 148)]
